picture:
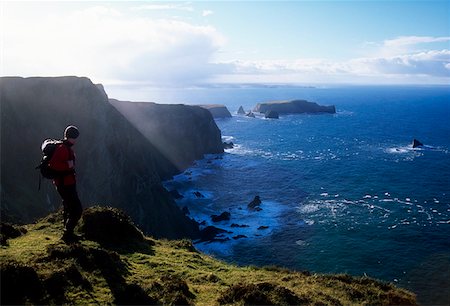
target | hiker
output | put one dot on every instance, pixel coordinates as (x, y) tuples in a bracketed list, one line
[(63, 161)]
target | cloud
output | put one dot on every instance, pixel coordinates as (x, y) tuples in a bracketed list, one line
[(409, 45), (154, 7), (432, 64), (414, 40), (107, 44), (207, 13)]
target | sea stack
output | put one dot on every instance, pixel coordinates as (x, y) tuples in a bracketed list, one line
[(241, 111), (416, 144)]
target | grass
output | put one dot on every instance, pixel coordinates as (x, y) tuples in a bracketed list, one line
[(38, 268)]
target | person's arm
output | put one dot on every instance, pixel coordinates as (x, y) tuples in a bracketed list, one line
[(60, 160)]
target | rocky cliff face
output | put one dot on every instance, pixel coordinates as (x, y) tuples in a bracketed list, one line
[(217, 110), (116, 164), (294, 107), (181, 133)]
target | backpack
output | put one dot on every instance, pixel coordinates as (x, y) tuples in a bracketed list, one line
[(48, 147)]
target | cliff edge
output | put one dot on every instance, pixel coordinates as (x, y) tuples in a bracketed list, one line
[(132, 269)]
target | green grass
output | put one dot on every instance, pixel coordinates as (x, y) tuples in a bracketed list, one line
[(39, 268)]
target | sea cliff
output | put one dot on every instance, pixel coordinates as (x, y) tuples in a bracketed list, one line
[(182, 133), (217, 110), (118, 163)]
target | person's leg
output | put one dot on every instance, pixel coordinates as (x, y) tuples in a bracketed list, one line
[(64, 193), (74, 208)]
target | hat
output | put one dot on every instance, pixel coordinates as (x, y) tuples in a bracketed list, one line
[(71, 132)]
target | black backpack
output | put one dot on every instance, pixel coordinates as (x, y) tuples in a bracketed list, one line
[(48, 147)]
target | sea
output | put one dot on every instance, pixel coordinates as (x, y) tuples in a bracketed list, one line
[(341, 193)]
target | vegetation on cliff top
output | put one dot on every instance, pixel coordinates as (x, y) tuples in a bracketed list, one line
[(116, 263)]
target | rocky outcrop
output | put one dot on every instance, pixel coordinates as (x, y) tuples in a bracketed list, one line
[(250, 114), (217, 110), (118, 162), (255, 203), (241, 111), (271, 115), (181, 133), (228, 145), (416, 144), (225, 216), (294, 107)]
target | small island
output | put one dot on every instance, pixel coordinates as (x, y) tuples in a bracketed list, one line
[(294, 107)]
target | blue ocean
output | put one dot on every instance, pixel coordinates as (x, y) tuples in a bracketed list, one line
[(343, 193)]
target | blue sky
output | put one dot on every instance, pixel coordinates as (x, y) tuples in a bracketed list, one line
[(188, 43)]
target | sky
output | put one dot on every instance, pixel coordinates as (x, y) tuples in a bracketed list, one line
[(181, 44)]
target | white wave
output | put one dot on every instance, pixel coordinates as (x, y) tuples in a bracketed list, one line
[(227, 138), (399, 150), (308, 208)]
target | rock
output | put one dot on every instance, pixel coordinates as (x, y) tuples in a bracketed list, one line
[(217, 110), (225, 216), (250, 114), (416, 144), (294, 107), (263, 227), (185, 210), (175, 194), (241, 111), (254, 204), (210, 232), (8, 231), (198, 194), (228, 145), (237, 225), (239, 237), (109, 226), (271, 115)]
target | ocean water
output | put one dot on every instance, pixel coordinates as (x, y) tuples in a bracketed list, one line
[(343, 193)]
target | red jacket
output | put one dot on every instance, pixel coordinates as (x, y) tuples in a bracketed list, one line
[(60, 161)]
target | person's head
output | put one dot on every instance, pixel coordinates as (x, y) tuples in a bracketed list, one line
[(71, 133)]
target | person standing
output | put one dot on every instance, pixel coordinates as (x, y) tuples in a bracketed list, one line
[(63, 160)]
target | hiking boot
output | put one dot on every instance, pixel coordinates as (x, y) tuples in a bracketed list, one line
[(69, 237)]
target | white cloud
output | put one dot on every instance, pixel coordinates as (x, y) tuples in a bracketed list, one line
[(409, 68), (409, 45), (103, 43), (207, 13), (154, 7), (414, 40)]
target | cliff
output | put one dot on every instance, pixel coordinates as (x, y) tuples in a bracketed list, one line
[(181, 133), (217, 110), (294, 107), (116, 164), (131, 269)]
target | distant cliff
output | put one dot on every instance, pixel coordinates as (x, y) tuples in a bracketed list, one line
[(217, 110), (294, 107), (118, 164), (181, 133)]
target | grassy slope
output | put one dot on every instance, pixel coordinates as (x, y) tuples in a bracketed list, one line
[(150, 271)]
